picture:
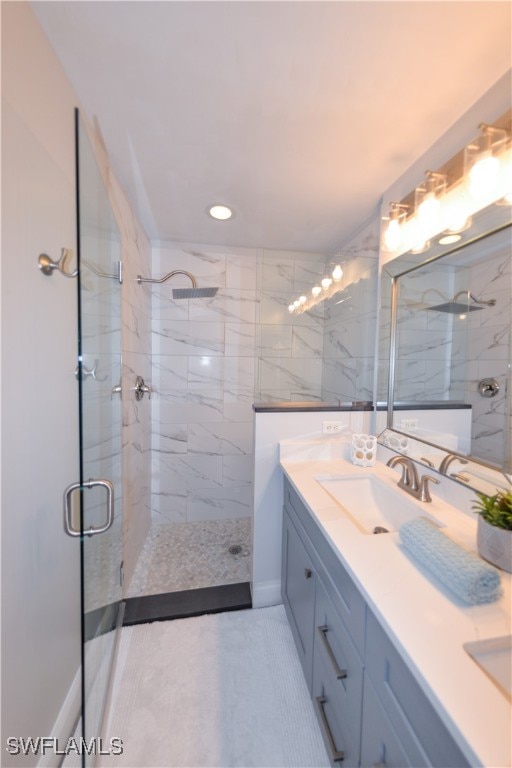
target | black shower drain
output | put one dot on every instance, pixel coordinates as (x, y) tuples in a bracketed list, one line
[(235, 549)]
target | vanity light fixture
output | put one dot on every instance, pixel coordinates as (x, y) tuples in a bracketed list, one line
[(455, 217), (316, 291), (220, 212), (326, 281), (428, 201), (483, 165), (443, 205), (393, 236)]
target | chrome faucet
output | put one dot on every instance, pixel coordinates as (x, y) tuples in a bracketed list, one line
[(409, 481), (443, 467)]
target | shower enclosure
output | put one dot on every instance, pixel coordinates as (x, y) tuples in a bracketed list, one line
[(99, 490)]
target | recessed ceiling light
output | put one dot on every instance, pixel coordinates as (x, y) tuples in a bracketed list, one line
[(449, 239), (220, 212)]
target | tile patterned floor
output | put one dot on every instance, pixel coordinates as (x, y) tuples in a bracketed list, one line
[(178, 556)]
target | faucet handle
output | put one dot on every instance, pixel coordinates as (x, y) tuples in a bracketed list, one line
[(423, 489), (409, 479)]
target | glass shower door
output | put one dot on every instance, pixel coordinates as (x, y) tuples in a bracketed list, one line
[(99, 376)]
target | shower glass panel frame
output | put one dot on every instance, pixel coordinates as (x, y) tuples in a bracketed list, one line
[(99, 374)]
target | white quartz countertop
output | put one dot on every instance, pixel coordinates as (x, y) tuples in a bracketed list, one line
[(427, 623)]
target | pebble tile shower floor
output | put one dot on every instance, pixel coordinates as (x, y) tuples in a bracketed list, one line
[(180, 556)]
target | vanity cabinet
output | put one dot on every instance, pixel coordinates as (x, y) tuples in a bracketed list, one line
[(420, 730), (371, 710), (298, 589), (337, 682)]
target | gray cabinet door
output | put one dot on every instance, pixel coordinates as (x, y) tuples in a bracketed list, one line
[(298, 592), (380, 747)]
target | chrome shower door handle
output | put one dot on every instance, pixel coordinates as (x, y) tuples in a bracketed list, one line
[(92, 531)]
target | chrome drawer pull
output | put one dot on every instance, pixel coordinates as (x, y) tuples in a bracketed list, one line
[(336, 755), (340, 673)]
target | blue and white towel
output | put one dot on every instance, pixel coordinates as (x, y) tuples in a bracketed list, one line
[(472, 580)]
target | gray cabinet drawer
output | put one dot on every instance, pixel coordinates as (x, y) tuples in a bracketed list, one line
[(421, 732), (337, 677), (380, 747), (298, 592), (337, 582)]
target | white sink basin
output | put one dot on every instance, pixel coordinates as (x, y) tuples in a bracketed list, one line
[(371, 503), (494, 656)]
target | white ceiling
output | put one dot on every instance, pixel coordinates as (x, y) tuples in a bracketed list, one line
[(297, 114)]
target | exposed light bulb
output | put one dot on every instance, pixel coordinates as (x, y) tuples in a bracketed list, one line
[(455, 215), (483, 176), (296, 303), (414, 236), (291, 308), (429, 212), (302, 299), (462, 317), (393, 235), (326, 281), (337, 273), (316, 291)]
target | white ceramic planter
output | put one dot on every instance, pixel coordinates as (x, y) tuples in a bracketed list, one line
[(495, 545)]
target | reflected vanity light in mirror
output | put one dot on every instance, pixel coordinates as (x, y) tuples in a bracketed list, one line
[(327, 288)]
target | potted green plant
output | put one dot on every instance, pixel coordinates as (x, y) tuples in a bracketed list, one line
[(494, 536)]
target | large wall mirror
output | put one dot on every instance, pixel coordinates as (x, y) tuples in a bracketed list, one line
[(446, 351)]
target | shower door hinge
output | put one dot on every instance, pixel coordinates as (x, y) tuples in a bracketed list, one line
[(120, 271), (121, 573)]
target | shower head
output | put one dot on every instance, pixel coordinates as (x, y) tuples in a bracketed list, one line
[(455, 307), (182, 293), (193, 293)]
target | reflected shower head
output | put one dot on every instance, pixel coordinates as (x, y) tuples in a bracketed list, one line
[(193, 293), (455, 307)]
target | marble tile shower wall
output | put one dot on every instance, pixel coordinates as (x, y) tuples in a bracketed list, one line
[(430, 351), (430, 346), (212, 358), (489, 352), (289, 346), (350, 322), (136, 360)]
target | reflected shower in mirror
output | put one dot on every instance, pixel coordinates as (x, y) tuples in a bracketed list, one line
[(449, 344)]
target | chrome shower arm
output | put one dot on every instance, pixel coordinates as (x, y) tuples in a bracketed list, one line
[(191, 277), (489, 303)]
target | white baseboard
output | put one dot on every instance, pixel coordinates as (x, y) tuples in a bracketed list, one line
[(266, 593), (65, 722)]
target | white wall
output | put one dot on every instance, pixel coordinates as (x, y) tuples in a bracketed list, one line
[(40, 564)]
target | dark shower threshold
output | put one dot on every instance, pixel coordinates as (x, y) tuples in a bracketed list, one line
[(188, 603)]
